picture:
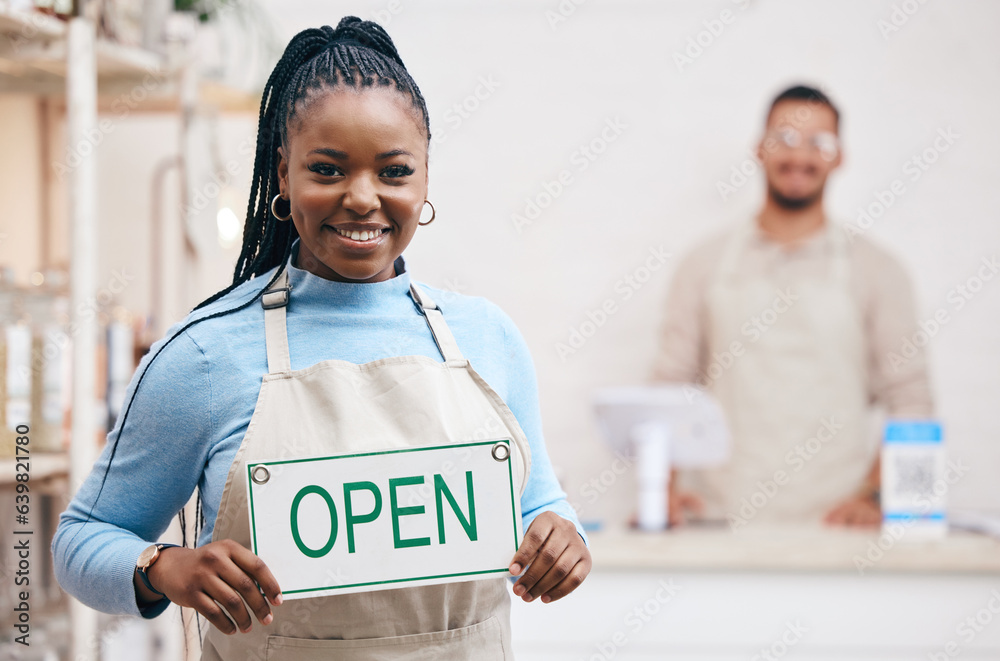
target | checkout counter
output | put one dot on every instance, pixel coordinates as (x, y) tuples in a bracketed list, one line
[(810, 593), (707, 592)]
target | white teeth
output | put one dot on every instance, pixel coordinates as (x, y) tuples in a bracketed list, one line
[(355, 235)]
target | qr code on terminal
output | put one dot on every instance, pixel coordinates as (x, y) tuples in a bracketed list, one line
[(914, 474)]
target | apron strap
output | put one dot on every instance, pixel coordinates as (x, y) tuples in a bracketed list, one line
[(726, 267), (443, 338), (274, 301), (840, 265)]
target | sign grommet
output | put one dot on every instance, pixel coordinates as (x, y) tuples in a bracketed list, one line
[(260, 474), (501, 452)]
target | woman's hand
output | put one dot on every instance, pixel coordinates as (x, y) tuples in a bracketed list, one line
[(556, 558), (223, 572)]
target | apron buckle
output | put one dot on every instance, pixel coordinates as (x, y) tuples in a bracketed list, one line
[(423, 301), (275, 298)]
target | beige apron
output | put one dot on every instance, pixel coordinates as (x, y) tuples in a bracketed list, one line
[(796, 401), (335, 407)]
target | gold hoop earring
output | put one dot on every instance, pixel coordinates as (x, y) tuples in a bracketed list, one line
[(433, 214), (274, 211)]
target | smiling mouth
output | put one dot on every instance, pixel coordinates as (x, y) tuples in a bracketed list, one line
[(363, 235), (802, 171)]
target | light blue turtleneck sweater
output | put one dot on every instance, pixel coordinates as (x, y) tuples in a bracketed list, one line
[(195, 403)]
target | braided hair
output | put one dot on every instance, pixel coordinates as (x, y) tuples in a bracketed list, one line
[(357, 54)]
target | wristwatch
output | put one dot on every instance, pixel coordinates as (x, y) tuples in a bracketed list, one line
[(146, 560)]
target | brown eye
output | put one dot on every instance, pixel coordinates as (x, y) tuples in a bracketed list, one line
[(396, 171), (325, 169)]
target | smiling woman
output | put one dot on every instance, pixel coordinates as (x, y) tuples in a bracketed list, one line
[(355, 174), (323, 347)]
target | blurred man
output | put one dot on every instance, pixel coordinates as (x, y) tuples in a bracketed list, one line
[(795, 325)]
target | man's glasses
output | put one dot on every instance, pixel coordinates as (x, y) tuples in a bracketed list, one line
[(826, 143)]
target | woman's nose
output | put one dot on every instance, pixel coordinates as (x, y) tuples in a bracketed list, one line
[(361, 196)]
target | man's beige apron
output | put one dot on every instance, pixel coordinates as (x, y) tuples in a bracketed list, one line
[(336, 407), (796, 400)]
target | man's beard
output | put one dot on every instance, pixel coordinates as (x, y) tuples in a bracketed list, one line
[(793, 203)]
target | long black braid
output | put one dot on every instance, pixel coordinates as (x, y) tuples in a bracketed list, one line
[(357, 54)]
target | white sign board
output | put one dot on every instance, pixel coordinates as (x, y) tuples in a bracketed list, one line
[(388, 519)]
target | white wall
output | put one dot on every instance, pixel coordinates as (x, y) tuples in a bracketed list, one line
[(655, 184)]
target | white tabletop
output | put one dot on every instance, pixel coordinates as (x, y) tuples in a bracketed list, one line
[(793, 548)]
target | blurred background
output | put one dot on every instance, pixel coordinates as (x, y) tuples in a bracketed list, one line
[(570, 139)]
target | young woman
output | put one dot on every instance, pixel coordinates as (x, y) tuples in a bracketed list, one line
[(322, 345)]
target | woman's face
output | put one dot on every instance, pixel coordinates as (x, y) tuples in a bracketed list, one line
[(354, 170)]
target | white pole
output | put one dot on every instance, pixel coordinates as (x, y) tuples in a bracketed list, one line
[(81, 124)]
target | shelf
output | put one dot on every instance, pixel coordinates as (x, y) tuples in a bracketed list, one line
[(15, 23), (33, 61), (24, 32), (33, 57)]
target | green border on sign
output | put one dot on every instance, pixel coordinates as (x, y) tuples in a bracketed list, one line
[(513, 507)]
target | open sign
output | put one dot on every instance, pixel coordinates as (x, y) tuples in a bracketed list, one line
[(386, 519)]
